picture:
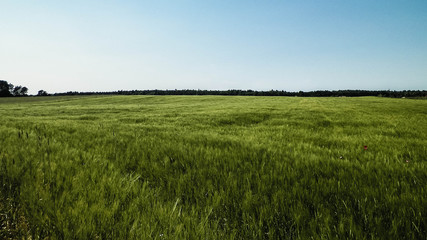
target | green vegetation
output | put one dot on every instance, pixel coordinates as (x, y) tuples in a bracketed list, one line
[(213, 167), (9, 90)]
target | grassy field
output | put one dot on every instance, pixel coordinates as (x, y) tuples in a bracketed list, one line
[(212, 167)]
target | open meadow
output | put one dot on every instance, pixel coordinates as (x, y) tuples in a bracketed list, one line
[(213, 167)]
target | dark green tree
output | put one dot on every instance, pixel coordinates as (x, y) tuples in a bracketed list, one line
[(42, 93), (4, 89), (19, 91)]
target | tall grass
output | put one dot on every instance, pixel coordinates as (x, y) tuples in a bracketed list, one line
[(211, 167)]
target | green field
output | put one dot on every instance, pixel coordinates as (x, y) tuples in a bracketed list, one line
[(213, 167)]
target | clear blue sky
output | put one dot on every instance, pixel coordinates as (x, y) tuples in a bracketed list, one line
[(285, 45)]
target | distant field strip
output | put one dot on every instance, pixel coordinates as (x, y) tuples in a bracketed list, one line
[(213, 167)]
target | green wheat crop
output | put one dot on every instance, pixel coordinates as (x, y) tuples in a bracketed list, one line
[(213, 167)]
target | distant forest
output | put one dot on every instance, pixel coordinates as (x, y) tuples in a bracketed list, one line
[(9, 90), (337, 93)]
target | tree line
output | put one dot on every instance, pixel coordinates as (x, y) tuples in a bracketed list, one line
[(234, 92), (9, 90)]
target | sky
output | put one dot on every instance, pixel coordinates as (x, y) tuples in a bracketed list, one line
[(110, 45)]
